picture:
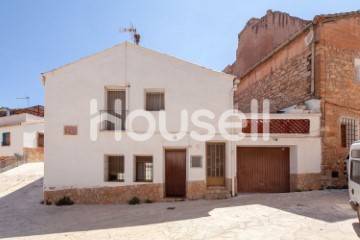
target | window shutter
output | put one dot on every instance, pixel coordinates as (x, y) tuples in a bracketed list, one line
[(155, 101), (343, 135)]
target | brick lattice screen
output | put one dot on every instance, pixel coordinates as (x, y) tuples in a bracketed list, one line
[(285, 126)]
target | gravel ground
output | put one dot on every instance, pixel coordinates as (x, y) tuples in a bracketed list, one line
[(304, 215)]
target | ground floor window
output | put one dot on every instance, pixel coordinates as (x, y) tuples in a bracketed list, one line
[(143, 169), (5, 139), (349, 131), (115, 168)]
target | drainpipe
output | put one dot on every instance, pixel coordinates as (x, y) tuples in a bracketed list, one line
[(231, 143), (233, 90), (313, 63)]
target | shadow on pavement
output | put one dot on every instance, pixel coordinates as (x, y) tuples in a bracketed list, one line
[(356, 227)]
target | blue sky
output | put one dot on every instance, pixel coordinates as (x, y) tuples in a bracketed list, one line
[(40, 35)]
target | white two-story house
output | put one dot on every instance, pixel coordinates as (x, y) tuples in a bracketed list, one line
[(131, 122), (86, 160)]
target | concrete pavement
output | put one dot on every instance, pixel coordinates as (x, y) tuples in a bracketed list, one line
[(304, 215)]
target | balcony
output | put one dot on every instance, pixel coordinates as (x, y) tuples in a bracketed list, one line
[(112, 120), (284, 124)]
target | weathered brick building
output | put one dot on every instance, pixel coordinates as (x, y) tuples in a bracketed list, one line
[(298, 62)]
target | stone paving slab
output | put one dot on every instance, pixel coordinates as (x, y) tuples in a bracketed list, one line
[(304, 215)]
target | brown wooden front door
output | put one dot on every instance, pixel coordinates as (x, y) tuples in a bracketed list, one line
[(175, 173), (263, 169), (215, 164)]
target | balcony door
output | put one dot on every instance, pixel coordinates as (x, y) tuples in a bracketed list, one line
[(116, 106)]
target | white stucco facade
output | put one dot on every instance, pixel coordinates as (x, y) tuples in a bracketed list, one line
[(23, 129), (76, 161)]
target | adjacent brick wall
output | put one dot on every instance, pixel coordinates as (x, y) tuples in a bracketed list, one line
[(284, 79), (340, 98), (260, 37), (34, 154)]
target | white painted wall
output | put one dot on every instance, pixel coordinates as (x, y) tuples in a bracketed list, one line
[(31, 131), (76, 161), (21, 135), (16, 140)]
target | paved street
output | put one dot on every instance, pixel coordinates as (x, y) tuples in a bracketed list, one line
[(305, 215)]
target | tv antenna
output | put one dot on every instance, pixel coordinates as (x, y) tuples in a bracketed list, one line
[(134, 35), (27, 98)]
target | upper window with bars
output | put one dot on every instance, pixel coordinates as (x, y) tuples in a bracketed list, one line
[(349, 131), (114, 116), (154, 101)]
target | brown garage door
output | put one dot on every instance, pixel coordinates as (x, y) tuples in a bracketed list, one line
[(263, 169), (175, 173)]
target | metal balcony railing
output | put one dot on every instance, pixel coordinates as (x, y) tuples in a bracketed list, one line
[(112, 120), (281, 126)]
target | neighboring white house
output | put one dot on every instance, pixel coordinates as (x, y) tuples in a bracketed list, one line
[(21, 134), (96, 158)]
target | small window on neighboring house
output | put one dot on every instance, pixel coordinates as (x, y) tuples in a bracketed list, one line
[(143, 169), (349, 131), (357, 69), (115, 169), (155, 101), (40, 140), (5, 139), (196, 161)]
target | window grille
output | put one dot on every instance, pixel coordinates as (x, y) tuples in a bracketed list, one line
[(155, 101), (144, 169), (349, 131), (116, 168)]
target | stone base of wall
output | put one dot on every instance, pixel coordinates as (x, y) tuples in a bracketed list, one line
[(34, 154), (108, 195), (195, 190), (116, 195), (228, 185), (305, 182)]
